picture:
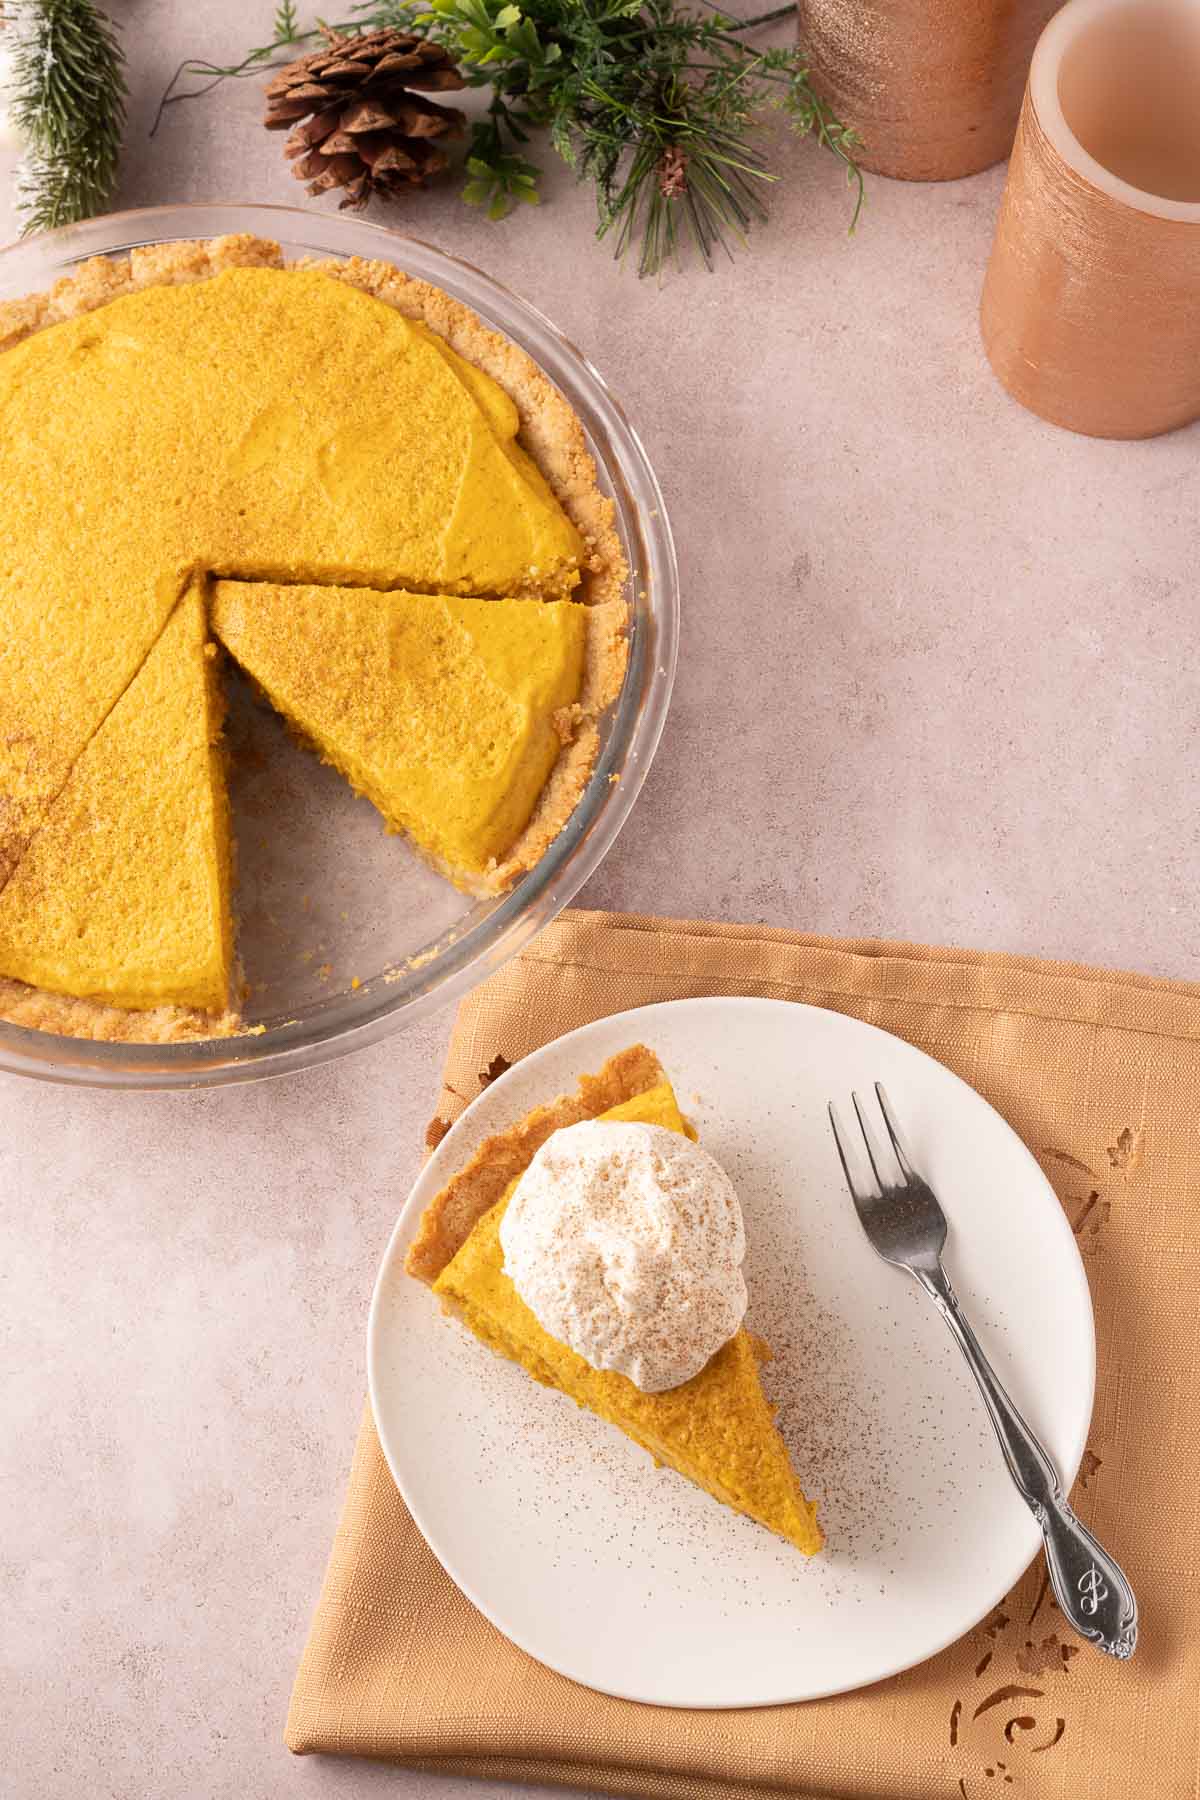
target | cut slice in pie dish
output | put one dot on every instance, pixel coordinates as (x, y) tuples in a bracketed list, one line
[(470, 724), (717, 1429), (123, 894)]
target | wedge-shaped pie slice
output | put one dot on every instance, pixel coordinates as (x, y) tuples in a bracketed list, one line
[(469, 723), (716, 1429), (123, 895)]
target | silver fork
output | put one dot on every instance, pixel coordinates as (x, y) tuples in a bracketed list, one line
[(906, 1226)]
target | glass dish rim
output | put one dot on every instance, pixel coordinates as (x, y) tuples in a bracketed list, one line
[(350, 1021)]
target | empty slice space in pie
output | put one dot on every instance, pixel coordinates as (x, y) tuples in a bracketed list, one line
[(123, 894)]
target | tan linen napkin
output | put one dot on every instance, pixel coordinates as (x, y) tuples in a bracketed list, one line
[(1100, 1074)]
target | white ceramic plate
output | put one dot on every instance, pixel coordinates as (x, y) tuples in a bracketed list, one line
[(630, 1580)]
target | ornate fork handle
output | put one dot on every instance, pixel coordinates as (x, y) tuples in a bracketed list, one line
[(1090, 1588)]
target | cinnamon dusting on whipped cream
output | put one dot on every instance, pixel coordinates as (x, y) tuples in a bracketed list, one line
[(626, 1242)]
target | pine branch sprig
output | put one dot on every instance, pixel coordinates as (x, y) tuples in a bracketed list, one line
[(68, 104), (655, 105), (287, 22)]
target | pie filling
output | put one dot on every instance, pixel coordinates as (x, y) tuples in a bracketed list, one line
[(324, 453), (261, 423), (716, 1429)]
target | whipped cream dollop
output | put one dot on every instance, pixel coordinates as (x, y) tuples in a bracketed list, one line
[(626, 1242)]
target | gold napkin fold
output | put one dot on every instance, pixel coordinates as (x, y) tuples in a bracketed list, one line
[(1100, 1074)]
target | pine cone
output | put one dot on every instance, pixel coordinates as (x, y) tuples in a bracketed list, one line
[(355, 122)]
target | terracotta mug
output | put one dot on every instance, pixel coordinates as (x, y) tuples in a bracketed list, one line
[(932, 87), (1091, 303)]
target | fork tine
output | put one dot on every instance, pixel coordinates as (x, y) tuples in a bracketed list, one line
[(893, 1131), (862, 1123), (841, 1150)]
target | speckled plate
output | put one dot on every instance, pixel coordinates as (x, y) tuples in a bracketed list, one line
[(627, 1578)]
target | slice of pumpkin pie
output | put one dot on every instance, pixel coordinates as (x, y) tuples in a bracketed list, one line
[(633, 1249), (469, 723), (123, 894)]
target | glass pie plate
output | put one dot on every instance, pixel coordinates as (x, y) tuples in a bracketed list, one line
[(343, 932)]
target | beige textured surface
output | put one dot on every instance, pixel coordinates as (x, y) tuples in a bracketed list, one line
[(952, 699)]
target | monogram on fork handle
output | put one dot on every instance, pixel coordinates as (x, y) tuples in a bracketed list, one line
[(1092, 1589)]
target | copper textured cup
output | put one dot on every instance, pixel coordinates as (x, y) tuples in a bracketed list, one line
[(932, 87), (1091, 303)]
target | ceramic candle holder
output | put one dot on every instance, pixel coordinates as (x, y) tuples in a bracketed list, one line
[(932, 87), (1091, 303)]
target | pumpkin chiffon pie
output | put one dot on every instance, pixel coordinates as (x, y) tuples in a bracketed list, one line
[(716, 1429), (383, 510)]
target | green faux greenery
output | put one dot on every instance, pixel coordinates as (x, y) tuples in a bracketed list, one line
[(68, 103), (653, 104)]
